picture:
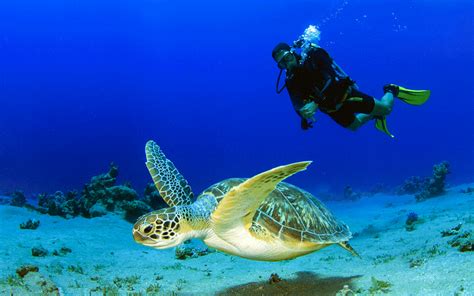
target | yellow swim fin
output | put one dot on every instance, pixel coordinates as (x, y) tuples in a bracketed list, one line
[(381, 125), (409, 96), (413, 96)]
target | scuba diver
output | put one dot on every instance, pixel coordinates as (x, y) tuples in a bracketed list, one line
[(314, 81)]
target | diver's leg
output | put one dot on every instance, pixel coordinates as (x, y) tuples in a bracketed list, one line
[(383, 106), (359, 120), (360, 107)]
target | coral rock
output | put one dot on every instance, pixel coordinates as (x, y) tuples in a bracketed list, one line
[(25, 269), (39, 251), (97, 210), (18, 199), (30, 224), (274, 278), (436, 184)]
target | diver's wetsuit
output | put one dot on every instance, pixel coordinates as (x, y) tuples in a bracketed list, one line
[(316, 74)]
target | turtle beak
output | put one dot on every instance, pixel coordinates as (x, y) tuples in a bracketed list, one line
[(146, 241), (139, 238), (160, 246)]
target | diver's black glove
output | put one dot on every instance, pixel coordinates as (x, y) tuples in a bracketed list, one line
[(305, 124)]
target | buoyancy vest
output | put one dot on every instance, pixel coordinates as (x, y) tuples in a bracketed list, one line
[(318, 78)]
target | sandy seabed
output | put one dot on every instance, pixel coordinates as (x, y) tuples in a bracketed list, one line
[(104, 259)]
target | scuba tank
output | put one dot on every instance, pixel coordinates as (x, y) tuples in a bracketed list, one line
[(339, 83)]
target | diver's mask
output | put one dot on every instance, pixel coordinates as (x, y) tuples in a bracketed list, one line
[(281, 63), (284, 59)]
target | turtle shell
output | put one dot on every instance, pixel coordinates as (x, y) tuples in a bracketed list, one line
[(291, 214)]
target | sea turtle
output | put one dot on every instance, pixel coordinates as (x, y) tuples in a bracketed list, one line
[(260, 218)]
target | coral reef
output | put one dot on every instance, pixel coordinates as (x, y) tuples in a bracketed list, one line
[(25, 269), (437, 182), (460, 291), (102, 189), (377, 188), (102, 195), (383, 259), (31, 282), (39, 251), (75, 269), (379, 286), (97, 210), (453, 231), (18, 199), (134, 209), (63, 251), (464, 242), (435, 251), (416, 262), (59, 204), (153, 289), (349, 194), (412, 221), (152, 197), (424, 188), (274, 278), (99, 197), (127, 282), (184, 252), (5, 200), (468, 190), (30, 224), (413, 185)]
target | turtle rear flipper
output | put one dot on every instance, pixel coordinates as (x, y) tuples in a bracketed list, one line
[(345, 245), (173, 187), (238, 206)]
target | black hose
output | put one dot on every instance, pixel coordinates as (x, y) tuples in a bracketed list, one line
[(278, 83)]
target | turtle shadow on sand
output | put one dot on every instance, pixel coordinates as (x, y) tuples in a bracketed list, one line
[(305, 283)]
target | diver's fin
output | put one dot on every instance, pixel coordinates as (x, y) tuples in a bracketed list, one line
[(409, 96), (413, 96), (381, 125)]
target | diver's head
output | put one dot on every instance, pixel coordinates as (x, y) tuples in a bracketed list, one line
[(284, 56), (161, 229)]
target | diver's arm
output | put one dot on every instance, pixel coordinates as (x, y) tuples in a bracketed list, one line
[(303, 111), (308, 110)]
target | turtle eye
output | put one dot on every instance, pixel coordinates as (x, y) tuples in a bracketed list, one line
[(148, 229)]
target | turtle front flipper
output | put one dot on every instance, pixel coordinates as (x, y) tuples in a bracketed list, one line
[(173, 188), (238, 206)]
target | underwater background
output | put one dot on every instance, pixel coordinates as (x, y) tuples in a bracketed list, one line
[(85, 83)]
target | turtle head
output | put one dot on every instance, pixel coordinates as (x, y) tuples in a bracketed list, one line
[(161, 229)]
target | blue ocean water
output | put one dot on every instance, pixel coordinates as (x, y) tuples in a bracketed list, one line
[(85, 83)]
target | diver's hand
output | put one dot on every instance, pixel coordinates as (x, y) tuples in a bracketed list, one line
[(308, 110), (306, 124)]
